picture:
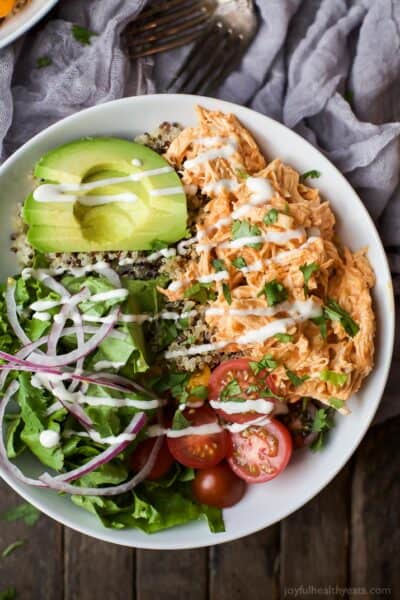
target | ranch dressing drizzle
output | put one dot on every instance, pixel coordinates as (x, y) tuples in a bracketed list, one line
[(96, 437), (71, 192), (41, 316), (224, 152), (219, 276), (275, 237), (81, 398), (170, 191), (258, 405), (107, 364), (218, 186), (301, 312), (49, 438)]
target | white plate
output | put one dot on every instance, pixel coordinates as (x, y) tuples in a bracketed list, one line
[(18, 24), (308, 473)]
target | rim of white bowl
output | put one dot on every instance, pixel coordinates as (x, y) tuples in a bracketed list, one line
[(148, 543)]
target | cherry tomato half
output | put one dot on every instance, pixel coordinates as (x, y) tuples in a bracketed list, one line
[(218, 486), (200, 451), (251, 386), (260, 453), (163, 463)]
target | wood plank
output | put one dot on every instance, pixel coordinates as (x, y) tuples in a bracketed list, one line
[(247, 568), (34, 569), (95, 569), (173, 575), (315, 540), (375, 547)]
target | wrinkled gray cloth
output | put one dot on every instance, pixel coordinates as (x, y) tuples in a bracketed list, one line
[(329, 69)]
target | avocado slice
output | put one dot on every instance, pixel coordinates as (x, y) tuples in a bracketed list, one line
[(73, 226)]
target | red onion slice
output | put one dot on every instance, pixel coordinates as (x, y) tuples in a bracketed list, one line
[(12, 312), (5, 462), (87, 348), (62, 486), (73, 408), (68, 309)]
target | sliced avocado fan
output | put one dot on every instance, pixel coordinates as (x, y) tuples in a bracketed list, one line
[(86, 221)]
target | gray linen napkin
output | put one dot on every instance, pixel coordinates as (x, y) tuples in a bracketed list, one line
[(329, 69)]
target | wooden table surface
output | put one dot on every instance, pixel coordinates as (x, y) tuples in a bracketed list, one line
[(345, 543)]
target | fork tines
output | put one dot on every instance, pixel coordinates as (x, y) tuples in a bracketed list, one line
[(166, 25), (210, 60)]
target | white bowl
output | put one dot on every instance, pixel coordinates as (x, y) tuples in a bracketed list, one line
[(308, 473), (18, 24)]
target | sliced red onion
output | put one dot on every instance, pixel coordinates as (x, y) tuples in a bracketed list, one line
[(85, 350), (68, 309), (12, 312), (73, 408), (5, 462), (54, 483), (136, 424), (109, 274), (52, 284)]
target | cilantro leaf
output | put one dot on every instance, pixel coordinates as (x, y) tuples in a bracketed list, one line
[(338, 379), (10, 549), (284, 337), (267, 362), (275, 292), (28, 513), (241, 173), (199, 391), (313, 174), (179, 421), (271, 217), (200, 292), (308, 270), (43, 61), (239, 262), (241, 229), (82, 35), (321, 323), (175, 384), (219, 265), (230, 389), (335, 312), (321, 424), (227, 293), (296, 380), (336, 403)]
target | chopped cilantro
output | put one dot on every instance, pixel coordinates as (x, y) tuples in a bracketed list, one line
[(308, 270), (268, 393), (231, 389), (43, 61), (267, 362), (199, 391), (179, 421), (313, 174), (241, 173), (252, 389), (242, 229), (296, 380), (10, 549), (219, 265), (321, 323), (271, 217), (239, 262), (348, 96), (283, 337), (336, 403), (338, 379), (200, 292), (175, 383), (82, 35), (227, 293), (28, 513), (321, 424), (275, 292), (335, 312)]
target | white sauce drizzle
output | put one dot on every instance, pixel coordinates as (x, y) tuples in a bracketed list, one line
[(223, 152), (219, 276), (81, 398), (275, 237), (258, 405), (137, 162), (107, 364), (239, 427), (218, 186), (41, 316), (165, 252), (72, 192), (49, 438), (120, 294)]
